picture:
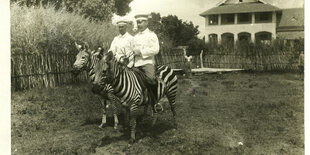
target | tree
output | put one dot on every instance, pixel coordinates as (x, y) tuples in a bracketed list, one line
[(171, 27), (178, 31), (95, 10), (187, 33), (156, 25), (122, 7), (195, 46), (172, 31)]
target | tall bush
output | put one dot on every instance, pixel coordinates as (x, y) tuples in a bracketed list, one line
[(43, 29)]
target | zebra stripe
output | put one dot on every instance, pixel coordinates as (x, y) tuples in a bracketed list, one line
[(126, 85), (86, 60)]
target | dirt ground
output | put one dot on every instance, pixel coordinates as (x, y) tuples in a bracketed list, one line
[(229, 113)]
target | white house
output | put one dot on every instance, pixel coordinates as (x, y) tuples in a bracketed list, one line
[(243, 20)]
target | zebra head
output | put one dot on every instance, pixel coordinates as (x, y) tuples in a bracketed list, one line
[(102, 68), (82, 58)]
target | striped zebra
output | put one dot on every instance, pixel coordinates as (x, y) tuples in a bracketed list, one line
[(129, 86), (85, 60)]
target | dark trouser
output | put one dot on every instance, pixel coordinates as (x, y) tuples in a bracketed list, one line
[(151, 82), (149, 71)]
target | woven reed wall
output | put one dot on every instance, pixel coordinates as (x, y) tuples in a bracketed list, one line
[(174, 58), (42, 70), (39, 70), (256, 59)]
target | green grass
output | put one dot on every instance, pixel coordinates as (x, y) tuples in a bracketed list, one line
[(263, 111)]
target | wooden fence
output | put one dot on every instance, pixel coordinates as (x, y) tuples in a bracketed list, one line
[(174, 58), (256, 60), (42, 70), (54, 69)]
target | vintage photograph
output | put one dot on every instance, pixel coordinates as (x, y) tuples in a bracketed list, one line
[(153, 77)]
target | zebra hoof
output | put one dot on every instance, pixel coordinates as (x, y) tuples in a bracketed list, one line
[(102, 126), (158, 107)]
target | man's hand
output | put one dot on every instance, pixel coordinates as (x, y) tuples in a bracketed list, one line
[(137, 52)]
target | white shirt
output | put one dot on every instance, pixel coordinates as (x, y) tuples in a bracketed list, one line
[(147, 43), (188, 58), (122, 45)]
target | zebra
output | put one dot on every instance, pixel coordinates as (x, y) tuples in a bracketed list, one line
[(85, 60), (128, 85)]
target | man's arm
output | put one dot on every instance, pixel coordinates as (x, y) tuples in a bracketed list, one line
[(151, 47), (113, 46), (130, 53)]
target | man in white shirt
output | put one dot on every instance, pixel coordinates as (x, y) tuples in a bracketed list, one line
[(122, 45), (146, 46)]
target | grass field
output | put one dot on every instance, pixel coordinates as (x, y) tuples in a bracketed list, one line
[(231, 113)]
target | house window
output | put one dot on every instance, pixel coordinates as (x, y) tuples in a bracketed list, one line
[(244, 37), (228, 19), (213, 39), (227, 39), (263, 38), (244, 18), (263, 17), (213, 19)]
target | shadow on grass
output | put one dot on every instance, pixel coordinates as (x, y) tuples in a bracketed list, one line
[(97, 121), (143, 130)]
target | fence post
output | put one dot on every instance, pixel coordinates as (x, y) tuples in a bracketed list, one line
[(201, 60)]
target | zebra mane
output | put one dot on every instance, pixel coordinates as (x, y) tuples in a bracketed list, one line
[(90, 66), (116, 69)]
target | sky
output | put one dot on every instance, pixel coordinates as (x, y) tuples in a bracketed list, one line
[(189, 10)]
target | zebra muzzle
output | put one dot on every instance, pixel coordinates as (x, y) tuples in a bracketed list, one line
[(96, 88)]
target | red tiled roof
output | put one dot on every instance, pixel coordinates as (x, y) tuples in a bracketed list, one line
[(240, 8)]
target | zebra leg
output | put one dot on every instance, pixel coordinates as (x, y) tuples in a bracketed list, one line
[(104, 117), (172, 107), (113, 100), (115, 121), (125, 111), (133, 123), (155, 117)]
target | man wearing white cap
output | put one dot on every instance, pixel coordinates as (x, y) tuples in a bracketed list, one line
[(146, 46), (122, 45)]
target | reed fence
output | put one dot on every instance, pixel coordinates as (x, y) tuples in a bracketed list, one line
[(39, 70), (252, 59), (42, 70), (173, 57)]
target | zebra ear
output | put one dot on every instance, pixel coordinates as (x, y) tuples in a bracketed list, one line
[(78, 46), (109, 56), (100, 52), (86, 45)]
